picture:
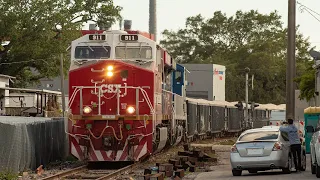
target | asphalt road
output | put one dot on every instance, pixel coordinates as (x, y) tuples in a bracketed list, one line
[(223, 171)]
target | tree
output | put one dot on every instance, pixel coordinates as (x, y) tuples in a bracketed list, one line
[(247, 39), (39, 31), (306, 83)]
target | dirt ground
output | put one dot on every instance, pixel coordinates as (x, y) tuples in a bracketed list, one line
[(222, 149), (220, 145)]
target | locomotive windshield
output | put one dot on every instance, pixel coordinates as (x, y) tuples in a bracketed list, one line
[(92, 52), (137, 52)]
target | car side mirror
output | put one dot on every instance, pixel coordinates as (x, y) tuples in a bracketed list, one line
[(310, 129)]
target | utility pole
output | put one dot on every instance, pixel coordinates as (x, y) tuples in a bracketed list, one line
[(62, 86), (291, 60), (246, 114)]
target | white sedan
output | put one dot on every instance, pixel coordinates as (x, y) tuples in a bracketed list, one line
[(262, 149)]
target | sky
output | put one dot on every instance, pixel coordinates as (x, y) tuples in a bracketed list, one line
[(172, 14)]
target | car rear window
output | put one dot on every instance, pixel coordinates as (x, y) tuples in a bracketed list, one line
[(262, 135)]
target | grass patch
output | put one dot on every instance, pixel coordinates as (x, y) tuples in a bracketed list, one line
[(8, 175)]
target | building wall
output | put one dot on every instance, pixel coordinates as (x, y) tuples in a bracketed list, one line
[(200, 81), (317, 89), (52, 85), (206, 81), (300, 105), (27, 99), (219, 82), (4, 82)]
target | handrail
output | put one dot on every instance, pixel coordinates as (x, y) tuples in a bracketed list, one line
[(144, 93)]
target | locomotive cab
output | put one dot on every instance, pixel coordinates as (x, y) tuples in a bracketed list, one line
[(179, 80), (132, 47)]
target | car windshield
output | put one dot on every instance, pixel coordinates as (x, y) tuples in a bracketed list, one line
[(262, 135)]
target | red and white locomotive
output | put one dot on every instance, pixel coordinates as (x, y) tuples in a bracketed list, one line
[(121, 101), (120, 97)]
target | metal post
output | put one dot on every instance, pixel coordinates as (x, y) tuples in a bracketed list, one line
[(99, 101), (118, 101), (81, 102), (246, 114), (137, 101), (291, 61), (153, 18), (62, 86), (64, 106)]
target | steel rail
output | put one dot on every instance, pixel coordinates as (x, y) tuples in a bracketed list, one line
[(116, 173), (66, 173)]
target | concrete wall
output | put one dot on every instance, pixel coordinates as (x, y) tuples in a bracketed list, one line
[(206, 81), (300, 105)]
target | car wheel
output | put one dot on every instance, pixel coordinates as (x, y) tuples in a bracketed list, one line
[(252, 171), (236, 172), (313, 168), (303, 162), (287, 170), (317, 170)]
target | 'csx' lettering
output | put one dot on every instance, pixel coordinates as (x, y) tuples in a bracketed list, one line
[(110, 88)]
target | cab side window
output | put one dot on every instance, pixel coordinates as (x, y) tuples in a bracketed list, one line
[(178, 77), (285, 136)]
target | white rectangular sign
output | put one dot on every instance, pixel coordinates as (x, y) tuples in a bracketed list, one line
[(255, 151)]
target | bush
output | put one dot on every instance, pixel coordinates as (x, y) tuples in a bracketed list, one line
[(7, 175)]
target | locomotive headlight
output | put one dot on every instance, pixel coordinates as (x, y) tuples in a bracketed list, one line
[(110, 68), (109, 74), (87, 109), (130, 109)]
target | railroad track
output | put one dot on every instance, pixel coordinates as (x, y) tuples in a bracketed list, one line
[(82, 172)]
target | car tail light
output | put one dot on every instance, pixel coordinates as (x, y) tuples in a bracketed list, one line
[(234, 149), (277, 146)]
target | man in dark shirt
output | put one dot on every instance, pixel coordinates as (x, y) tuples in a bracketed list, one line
[(295, 143)]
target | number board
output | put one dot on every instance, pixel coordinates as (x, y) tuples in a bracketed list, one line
[(129, 38), (97, 37)]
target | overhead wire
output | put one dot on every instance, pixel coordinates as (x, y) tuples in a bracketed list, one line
[(303, 8), (17, 62)]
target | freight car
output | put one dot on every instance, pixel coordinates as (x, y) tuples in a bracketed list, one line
[(127, 100)]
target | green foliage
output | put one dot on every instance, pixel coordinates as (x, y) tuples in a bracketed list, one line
[(39, 31), (306, 83), (8, 175), (247, 39)]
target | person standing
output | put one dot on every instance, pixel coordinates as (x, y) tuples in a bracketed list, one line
[(295, 144)]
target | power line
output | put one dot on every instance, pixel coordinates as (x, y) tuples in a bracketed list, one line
[(18, 62), (305, 8)]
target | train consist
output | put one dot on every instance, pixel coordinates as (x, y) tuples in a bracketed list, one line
[(127, 100)]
